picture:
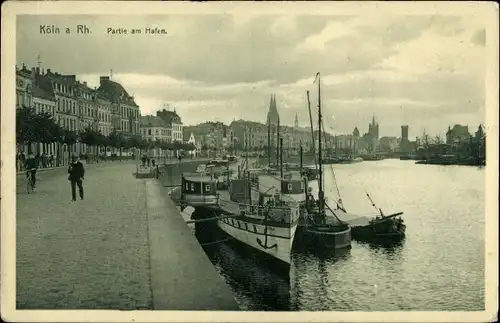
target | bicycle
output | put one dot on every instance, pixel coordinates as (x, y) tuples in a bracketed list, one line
[(29, 185)]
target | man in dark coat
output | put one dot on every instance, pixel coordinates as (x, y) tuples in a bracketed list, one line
[(76, 173)]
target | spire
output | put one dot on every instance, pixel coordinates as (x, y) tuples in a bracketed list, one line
[(272, 114), (296, 120), (373, 119)]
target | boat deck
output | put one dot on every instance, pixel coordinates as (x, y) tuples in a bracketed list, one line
[(351, 219)]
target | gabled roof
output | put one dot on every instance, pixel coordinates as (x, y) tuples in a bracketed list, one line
[(115, 92), (152, 121), (167, 116), (39, 93), (42, 88), (59, 78)]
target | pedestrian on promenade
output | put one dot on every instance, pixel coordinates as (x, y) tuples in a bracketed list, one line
[(23, 160), (76, 173), (31, 165)]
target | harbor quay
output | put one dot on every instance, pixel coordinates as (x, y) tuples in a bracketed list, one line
[(125, 246)]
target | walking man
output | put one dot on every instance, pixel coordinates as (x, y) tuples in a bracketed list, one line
[(76, 174)]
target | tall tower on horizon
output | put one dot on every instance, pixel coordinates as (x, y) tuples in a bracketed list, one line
[(373, 128), (273, 123)]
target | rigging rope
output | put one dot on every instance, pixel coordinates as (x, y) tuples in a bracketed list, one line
[(332, 169)]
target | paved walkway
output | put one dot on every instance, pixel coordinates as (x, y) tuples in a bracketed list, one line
[(95, 253)]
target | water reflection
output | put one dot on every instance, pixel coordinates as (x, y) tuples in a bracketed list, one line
[(258, 288), (439, 266), (311, 276)]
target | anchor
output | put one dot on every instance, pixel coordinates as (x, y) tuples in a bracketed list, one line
[(264, 245)]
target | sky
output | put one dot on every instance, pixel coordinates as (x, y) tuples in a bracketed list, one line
[(426, 71)]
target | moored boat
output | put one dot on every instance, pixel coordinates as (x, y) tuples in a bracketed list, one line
[(198, 189), (257, 213), (318, 228), (386, 229)]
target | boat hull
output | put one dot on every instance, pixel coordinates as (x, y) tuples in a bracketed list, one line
[(330, 239), (366, 234), (279, 239)]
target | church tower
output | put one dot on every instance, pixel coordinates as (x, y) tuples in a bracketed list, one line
[(273, 124)]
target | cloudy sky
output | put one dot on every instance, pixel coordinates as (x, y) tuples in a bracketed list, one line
[(425, 71)]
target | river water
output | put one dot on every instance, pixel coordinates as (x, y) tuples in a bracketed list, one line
[(439, 267)]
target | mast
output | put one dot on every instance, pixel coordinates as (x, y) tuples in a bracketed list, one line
[(301, 158), (278, 143), (312, 129), (321, 197), (268, 141), (281, 157)]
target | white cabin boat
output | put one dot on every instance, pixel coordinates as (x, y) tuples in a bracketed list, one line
[(268, 223)]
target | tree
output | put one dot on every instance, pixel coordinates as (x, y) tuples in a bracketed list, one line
[(69, 138), (34, 128), (90, 137), (117, 140)]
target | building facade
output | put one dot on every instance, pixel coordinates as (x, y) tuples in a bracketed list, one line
[(174, 121), (76, 106), (457, 134), (103, 114), (154, 128), (192, 140), (125, 113), (44, 101), (24, 83)]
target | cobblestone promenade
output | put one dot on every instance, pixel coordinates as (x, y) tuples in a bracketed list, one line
[(95, 253), (84, 254)]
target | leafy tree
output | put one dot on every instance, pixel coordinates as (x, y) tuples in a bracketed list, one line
[(117, 140), (90, 137), (69, 138), (35, 128)]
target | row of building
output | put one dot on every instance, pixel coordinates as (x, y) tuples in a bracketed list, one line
[(109, 108), (76, 106)]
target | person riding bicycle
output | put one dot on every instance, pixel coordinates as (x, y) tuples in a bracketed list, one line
[(31, 165)]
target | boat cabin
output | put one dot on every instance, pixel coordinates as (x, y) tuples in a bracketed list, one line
[(271, 207), (294, 188), (199, 190)]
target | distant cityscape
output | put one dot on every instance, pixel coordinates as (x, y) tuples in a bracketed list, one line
[(109, 108)]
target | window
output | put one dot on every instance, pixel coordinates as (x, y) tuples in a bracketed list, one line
[(207, 188), (254, 228), (289, 187)]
